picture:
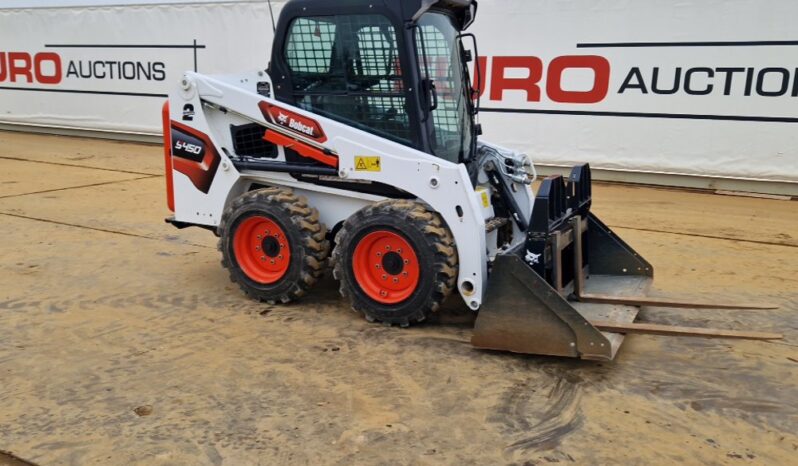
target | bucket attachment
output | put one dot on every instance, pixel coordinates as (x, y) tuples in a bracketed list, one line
[(545, 296)]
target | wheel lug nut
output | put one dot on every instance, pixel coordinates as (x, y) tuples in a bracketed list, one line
[(259, 236), (272, 261), (280, 257), (384, 277), (404, 274), (379, 254), (388, 247), (263, 258), (257, 248), (407, 261), (396, 280), (377, 265)]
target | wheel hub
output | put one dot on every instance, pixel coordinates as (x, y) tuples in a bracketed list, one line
[(270, 246), (261, 249), (386, 267), (392, 263)]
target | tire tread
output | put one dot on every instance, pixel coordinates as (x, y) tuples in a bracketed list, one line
[(438, 239), (314, 245)]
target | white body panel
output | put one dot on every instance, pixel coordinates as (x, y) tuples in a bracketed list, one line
[(444, 186)]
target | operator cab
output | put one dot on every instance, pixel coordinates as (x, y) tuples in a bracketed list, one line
[(394, 68)]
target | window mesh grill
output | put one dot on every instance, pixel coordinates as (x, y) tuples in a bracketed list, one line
[(435, 58), (310, 46), (348, 68)]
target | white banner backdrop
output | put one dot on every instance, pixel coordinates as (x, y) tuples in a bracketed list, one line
[(725, 101), (110, 68), (697, 87)]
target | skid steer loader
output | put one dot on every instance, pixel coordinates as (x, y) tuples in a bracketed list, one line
[(359, 147)]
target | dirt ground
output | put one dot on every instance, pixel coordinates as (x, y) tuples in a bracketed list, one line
[(123, 342)]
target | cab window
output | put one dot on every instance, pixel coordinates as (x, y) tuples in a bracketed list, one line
[(347, 68)]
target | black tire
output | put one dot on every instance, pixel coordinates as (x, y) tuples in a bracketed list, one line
[(307, 243), (432, 243)]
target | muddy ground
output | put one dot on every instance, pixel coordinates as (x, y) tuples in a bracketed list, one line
[(123, 342)]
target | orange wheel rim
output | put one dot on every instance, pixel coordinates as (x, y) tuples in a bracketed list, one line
[(261, 249), (386, 267)]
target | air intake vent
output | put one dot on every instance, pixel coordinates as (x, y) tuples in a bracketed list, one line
[(248, 141)]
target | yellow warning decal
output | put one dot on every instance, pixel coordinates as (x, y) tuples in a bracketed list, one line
[(485, 199), (367, 164)]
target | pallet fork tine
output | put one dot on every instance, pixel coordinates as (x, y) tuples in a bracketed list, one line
[(665, 302), (580, 295)]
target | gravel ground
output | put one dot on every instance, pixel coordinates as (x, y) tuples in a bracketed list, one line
[(123, 342)]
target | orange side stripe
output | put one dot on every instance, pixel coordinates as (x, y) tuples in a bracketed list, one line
[(167, 154), (301, 148)]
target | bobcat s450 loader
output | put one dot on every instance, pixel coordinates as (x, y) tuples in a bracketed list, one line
[(359, 148)]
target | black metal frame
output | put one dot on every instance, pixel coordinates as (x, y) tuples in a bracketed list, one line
[(250, 163), (551, 237)]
